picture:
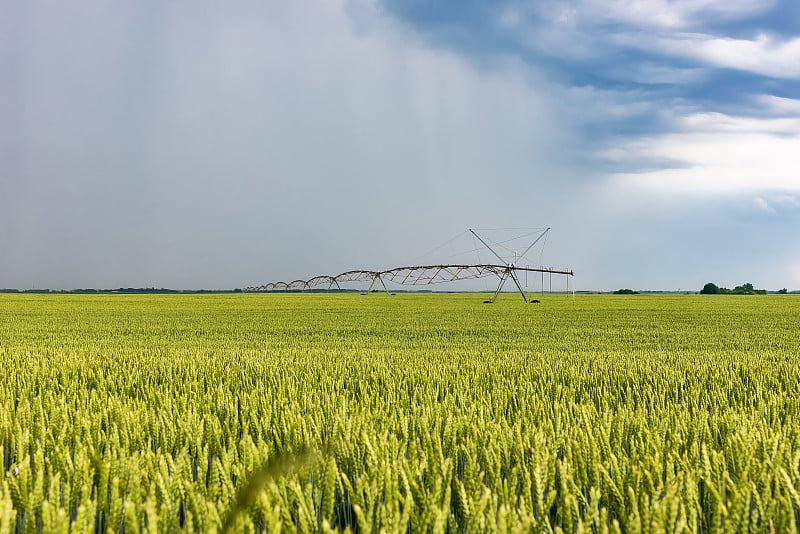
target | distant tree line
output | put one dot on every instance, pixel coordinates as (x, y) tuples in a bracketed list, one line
[(744, 289), (121, 290)]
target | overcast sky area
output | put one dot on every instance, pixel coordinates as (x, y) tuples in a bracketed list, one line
[(203, 144)]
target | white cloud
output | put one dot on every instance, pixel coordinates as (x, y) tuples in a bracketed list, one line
[(766, 55), (761, 204), (722, 154), (674, 14), (779, 105), (715, 123), (652, 14), (580, 30), (785, 200)]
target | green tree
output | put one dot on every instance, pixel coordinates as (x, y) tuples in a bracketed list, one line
[(710, 289)]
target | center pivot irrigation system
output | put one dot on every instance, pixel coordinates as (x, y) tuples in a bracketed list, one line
[(419, 275)]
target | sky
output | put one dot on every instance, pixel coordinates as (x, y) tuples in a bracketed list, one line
[(201, 144)]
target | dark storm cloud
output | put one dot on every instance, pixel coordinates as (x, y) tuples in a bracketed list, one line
[(191, 145)]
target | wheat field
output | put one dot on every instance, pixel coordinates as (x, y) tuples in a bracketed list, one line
[(408, 413)]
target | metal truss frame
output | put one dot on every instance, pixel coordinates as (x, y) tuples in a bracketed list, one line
[(417, 275), (430, 274)]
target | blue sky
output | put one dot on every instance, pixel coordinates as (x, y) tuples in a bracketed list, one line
[(199, 144)]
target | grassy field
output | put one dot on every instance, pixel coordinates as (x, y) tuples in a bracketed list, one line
[(309, 412)]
